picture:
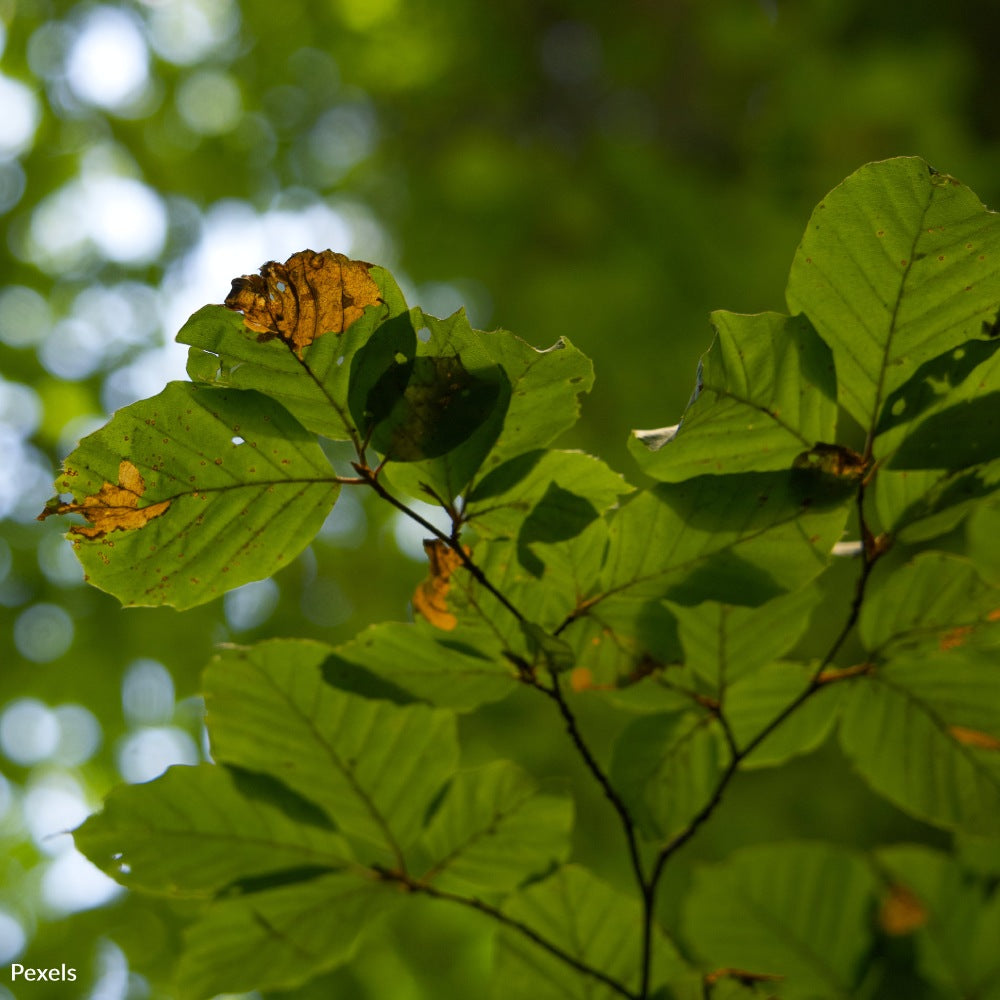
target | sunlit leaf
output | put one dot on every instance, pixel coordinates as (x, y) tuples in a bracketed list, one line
[(766, 393), (798, 910), (193, 831), (592, 922), (752, 702), (741, 539), (938, 600), (457, 670), (666, 768), (280, 937), (905, 727), (896, 267), (225, 353), (493, 829), (310, 295), (193, 492), (724, 642), (372, 766)]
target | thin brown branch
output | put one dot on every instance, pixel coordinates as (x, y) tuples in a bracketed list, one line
[(471, 902)]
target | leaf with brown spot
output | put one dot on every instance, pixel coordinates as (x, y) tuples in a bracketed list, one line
[(225, 523), (902, 912), (307, 296), (974, 738), (112, 508), (430, 599)]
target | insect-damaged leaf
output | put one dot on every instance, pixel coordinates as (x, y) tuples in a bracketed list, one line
[(112, 508), (314, 388), (307, 296), (215, 488)]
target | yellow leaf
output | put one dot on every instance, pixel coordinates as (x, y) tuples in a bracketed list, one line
[(307, 296), (430, 599), (112, 507)]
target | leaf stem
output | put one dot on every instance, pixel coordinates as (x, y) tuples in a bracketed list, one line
[(472, 902), (873, 549), (628, 824), (370, 478)]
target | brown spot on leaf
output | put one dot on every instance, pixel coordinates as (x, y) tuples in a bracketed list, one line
[(430, 599), (581, 679), (307, 296), (112, 507), (954, 637), (974, 738), (833, 459), (902, 912)]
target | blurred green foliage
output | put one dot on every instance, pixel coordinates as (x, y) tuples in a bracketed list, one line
[(611, 172)]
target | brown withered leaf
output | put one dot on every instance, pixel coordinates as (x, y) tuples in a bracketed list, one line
[(307, 296), (901, 912), (430, 599), (112, 507), (974, 738)]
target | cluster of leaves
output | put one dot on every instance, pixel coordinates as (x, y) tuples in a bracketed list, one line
[(338, 791)]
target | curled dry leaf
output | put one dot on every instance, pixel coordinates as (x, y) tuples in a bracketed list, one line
[(307, 296), (430, 599), (112, 507)]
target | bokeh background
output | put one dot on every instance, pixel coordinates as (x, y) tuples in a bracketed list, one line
[(610, 172)]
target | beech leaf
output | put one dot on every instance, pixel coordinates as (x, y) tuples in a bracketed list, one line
[(307, 296)]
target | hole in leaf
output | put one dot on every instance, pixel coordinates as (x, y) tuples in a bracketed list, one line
[(424, 334), (237, 440), (340, 360)]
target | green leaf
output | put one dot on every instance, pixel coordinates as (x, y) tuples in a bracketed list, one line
[(740, 539), (752, 702), (895, 268), (193, 831), (956, 945), (436, 405), (493, 829), (501, 501), (460, 670), (925, 734), (372, 766), (797, 910), (590, 921), (279, 938), (983, 540), (766, 393), (936, 599), (314, 389), (535, 400), (193, 492), (724, 642), (622, 639), (917, 505), (942, 418), (666, 768)]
